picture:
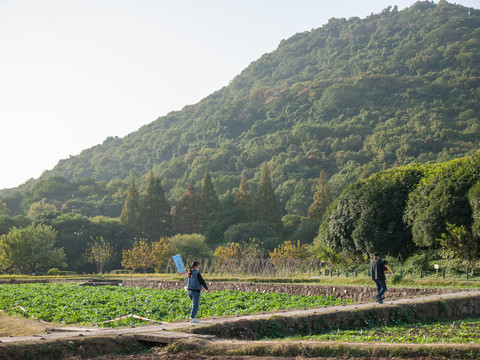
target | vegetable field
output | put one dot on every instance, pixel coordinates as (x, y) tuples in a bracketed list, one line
[(72, 304), (461, 331)]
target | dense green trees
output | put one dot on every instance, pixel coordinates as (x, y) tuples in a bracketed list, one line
[(321, 199), (460, 242), (265, 203), (208, 203), (245, 233), (243, 201), (131, 215), (186, 219), (400, 210), (441, 197), (156, 212), (3, 208), (74, 233), (351, 98), (368, 216), (29, 249)]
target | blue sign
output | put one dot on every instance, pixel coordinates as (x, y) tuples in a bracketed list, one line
[(177, 259)]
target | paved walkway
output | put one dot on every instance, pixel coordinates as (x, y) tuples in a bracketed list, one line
[(160, 332)]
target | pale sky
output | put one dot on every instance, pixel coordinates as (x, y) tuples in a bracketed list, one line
[(73, 72)]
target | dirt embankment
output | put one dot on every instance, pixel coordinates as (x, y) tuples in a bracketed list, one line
[(196, 356)]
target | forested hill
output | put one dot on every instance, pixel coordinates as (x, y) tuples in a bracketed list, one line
[(353, 97)]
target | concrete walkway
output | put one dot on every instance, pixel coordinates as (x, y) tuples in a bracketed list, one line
[(161, 333)]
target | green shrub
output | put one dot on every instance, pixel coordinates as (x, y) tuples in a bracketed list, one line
[(420, 260), (396, 279), (53, 272)]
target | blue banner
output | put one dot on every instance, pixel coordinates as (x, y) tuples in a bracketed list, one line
[(177, 259)]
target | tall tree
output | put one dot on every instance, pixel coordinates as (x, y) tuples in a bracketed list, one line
[(156, 217), (29, 249), (441, 197), (100, 252), (131, 211), (474, 199), (367, 216), (321, 199), (460, 241), (39, 208), (3, 208), (243, 200), (161, 252), (207, 202), (138, 257), (226, 215), (265, 202), (186, 219)]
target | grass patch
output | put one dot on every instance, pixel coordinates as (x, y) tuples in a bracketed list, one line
[(311, 349), (461, 332)]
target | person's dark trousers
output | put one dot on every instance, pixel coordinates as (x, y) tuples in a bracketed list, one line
[(195, 297), (381, 288)]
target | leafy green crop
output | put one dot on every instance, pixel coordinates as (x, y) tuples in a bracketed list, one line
[(462, 331), (72, 304)]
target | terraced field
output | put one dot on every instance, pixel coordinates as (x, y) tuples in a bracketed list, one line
[(72, 304)]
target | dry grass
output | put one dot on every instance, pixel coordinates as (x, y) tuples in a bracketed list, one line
[(18, 326)]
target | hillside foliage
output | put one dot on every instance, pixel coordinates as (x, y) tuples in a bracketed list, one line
[(350, 98), (325, 115)]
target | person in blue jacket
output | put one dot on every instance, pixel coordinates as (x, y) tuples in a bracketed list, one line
[(194, 287)]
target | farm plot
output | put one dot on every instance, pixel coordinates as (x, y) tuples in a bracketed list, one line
[(461, 331), (72, 304)]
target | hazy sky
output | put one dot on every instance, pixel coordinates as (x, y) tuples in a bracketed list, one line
[(75, 72)]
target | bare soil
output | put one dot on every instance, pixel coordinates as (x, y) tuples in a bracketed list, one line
[(18, 326)]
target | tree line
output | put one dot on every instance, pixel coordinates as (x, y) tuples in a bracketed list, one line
[(199, 223), (414, 212), (230, 218), (417, 209)]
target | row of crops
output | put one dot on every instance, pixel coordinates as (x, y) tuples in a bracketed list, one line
[(461, 331), (72, 304)]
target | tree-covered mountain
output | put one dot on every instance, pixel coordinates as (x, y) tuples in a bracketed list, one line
[(350, 98)]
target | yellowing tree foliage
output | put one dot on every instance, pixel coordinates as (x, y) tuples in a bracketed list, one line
[(40, 207), (162, 250), (139, 257), (235, 250), (290, 250), (232, 250)]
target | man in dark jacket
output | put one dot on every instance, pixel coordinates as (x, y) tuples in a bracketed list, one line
[(377, 268)]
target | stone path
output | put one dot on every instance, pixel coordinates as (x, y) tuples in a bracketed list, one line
[(160, 332)]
